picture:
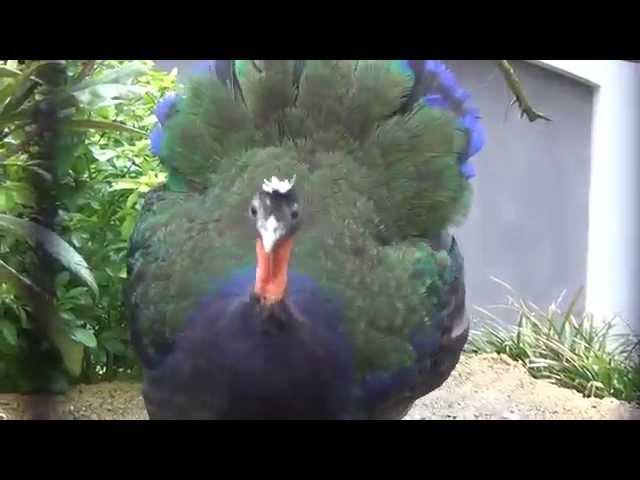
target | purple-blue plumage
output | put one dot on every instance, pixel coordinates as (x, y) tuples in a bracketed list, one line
[(436, 101), (204, 67), (155, 139), (471, 121), (166, 106), (440, 90), (448, 82), (461, 95), (235, 361), (467, 170), (434, 67)]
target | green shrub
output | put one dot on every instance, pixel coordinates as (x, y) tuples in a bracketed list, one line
[(103, 165), (572, 350)]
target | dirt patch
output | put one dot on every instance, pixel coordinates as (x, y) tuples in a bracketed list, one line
[(490, 387), (482, 387)]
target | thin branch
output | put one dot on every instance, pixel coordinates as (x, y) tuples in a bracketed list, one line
[(520, 98)]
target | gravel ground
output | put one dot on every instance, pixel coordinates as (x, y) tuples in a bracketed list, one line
[(488, 387)]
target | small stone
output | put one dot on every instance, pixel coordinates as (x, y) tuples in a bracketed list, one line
[(510, 416)]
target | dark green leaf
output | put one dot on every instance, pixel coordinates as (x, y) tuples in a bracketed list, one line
[(115, 346), (24, 86), (128, 226), (16, 117), (69, 317), (75, 293), (98, 125), (109, 94), (103, 155), (72, 352), (5, 92), (21, 283), (119, 76), (6, 201), (99, 354), (9, 331), (133, 198), (53, 243), (84, 336), (62, 279), (22, 193), (6, 72), (126, 184)]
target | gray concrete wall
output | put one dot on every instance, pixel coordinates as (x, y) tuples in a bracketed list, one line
[(528, 225), (529, 221)]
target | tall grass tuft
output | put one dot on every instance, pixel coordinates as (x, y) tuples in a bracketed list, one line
[(571, 349)]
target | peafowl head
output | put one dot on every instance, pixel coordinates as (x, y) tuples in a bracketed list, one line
[(276, 214)]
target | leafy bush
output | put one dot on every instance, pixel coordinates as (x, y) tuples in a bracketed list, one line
[(102, 168), (574, 351)]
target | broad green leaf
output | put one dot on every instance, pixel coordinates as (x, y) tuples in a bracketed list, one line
[(69, 317), (62, 279), (120, 334), (9, 331), (99, 355), (75, 293), (76, 238), (22, 193), (108, 94), (128, 226), (53, 243), (102, 155), (19, 117), (24, 321), (133, 198), (125, 184), (121, 75), (5, 93), (6, 201), (72, 352), (115, 346), (84, 336), (98, 125), (6, 72), (21, 283), (20, 87)]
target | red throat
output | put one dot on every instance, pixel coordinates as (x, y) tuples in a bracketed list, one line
[(272, 270)]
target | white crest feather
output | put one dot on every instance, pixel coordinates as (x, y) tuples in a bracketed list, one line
[(277, 185)]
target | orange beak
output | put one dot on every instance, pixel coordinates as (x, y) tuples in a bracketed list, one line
[(272, 270)]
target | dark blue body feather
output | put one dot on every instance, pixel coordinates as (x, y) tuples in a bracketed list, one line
[(233, 361)]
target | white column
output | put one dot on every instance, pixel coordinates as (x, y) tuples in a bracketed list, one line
[(613, 259)]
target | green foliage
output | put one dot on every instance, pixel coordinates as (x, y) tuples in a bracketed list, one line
[(103, 167), (56, 246), (573, 350)]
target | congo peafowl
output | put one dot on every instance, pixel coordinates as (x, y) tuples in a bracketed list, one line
[(296, 264)]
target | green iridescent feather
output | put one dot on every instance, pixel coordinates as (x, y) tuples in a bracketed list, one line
[(373, 186)]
